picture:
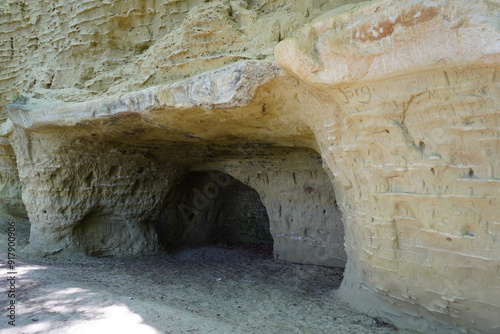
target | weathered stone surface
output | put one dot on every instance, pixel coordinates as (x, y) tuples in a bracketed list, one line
[(305, 222), (11, 205), (82, 50), (412, 139), (401, 100)]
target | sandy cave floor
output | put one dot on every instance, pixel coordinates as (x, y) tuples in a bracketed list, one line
[(204, 290)]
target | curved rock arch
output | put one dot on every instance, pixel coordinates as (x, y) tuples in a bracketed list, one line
[(386, 91)]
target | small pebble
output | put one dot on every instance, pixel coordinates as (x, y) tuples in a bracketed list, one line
[(130, 298)]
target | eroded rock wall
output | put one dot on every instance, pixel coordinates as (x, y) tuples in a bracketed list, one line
[(416, 155), (88, 196), (11, 204), (305, 223), (399, 98), (80, 50)]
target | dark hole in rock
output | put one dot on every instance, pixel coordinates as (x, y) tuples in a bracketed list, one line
[(213, 208), (114, 171), (421, 146)]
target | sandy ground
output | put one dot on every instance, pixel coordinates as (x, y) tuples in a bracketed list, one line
[(204, 290)]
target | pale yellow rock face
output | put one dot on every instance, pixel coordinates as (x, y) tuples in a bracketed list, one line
[(80, 50), (412, 138), (370, 131)]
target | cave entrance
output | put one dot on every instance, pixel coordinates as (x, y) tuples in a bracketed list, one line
[(213, 208)]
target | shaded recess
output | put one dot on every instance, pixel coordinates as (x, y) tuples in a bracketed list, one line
[(100, 233), (93, 232), (208, 208)]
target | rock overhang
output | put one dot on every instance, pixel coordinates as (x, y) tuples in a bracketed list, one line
[(399, 100), (224, 105)]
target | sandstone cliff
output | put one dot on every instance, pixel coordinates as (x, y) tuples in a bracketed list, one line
[(370, 131)]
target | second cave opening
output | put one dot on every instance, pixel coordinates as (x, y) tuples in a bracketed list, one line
[(213, 208)]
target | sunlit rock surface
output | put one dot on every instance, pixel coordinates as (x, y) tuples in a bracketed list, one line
[(370, 135)]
